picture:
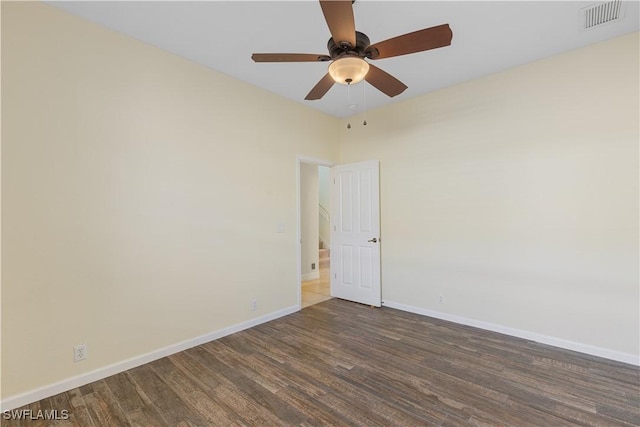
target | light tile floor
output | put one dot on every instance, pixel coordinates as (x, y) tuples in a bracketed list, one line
[(318, 290)]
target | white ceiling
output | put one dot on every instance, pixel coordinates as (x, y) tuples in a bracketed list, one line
[(487, 37)]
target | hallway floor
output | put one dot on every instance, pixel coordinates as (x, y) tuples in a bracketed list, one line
[(318, 290)]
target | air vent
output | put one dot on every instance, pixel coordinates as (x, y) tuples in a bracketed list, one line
[(602, 13)]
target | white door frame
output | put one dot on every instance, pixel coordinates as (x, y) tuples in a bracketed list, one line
[(299, 161)]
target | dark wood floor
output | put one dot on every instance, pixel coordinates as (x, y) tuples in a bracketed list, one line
[(339, 363)]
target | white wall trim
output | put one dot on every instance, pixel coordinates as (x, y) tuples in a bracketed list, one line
[(533, 336), (310, 276), (100, 373)]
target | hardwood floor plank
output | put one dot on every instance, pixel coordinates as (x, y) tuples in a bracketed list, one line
[(633, 396), (576, 416), (195, 371), (620, 414), (126, 392), (246, 381), (62, 405), (318, 414), (240, 405), (34, 408), (103, 408), (79, 412), (407, 406), (192, 393), (146, 416), (134, 402), (342, 364), (169, 404)]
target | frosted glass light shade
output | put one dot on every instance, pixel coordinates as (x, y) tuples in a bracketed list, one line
[(349, 70)]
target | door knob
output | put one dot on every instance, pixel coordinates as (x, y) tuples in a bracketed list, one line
[(373, 240)]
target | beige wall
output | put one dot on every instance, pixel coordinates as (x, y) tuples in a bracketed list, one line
[(515, 196), (141, 195)]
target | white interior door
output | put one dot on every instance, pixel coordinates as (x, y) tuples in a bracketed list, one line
[(355, 232)]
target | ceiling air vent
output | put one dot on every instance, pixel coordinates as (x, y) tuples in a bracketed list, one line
[(602, 13)]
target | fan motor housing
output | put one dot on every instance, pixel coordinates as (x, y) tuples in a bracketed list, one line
[(362, 43)]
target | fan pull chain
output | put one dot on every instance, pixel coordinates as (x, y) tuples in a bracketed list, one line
[(348, 101), (364, 96)]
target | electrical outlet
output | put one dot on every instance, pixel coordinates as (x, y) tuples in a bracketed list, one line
[(440, 299), (313, 265), (254, 304), (80, 352)]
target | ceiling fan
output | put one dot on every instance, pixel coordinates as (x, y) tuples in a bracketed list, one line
[(348, 49)]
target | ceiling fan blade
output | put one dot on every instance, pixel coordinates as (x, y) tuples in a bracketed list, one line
[(340, 20), (289, 57), (384, 81), (417, 41), (321, 88)]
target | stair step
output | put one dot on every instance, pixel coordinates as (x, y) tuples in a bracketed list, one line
[(323, 258)]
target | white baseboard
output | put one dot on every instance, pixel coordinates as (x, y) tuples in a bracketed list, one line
[(16, 401), (311, 276), (532, 336)]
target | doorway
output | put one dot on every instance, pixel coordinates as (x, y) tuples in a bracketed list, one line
[(314, 209)]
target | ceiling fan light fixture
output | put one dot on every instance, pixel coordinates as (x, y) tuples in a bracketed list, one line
[(348, 70)]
